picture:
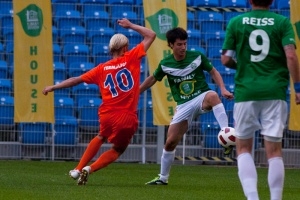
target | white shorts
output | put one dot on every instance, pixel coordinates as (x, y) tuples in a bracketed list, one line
[(269, 116), (190, 110)]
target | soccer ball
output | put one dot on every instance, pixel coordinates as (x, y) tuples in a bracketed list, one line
[(226, 137)]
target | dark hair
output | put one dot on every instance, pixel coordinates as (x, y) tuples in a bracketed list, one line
[(176, 33), (263, 3)]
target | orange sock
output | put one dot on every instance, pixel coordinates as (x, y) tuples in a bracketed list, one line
[(105, 159), (90, 152)]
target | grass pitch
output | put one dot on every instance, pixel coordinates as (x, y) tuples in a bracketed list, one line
[(45, 180)]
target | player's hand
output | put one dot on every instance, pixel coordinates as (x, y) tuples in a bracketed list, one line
[(297, 98), (48, 89), (125, 23), (226, 94)]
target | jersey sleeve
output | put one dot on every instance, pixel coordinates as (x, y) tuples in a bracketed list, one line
[(137, 52), (159, 73), (92, 76), (229, 42), (288, 33), (206, 64)]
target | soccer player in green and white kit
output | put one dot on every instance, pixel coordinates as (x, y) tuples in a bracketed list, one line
[(184, 70), (264, 46)]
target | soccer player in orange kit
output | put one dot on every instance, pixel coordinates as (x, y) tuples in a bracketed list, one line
[(118, 80)]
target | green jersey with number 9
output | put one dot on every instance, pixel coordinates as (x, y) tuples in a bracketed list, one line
[(258, 38)]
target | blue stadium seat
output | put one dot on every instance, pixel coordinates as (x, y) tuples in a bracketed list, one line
[(63, 92), (73, 34), (92, 5), (229, 104), (214, 52), (4, 71), (209, 16), (148, 109), (191, 23), (66, 131), (66, 18), (283, 7), (56, 53), (6, 19), (234, 3), (75, 53), (228, 77), (2, 57), (194, 37), (100, 53), (77, 69), (120, 5), (131, 15), (96, 19), (197, 48), (6, 5), (189, 3), (206, 3), (100, 35), (84, 90), (211, 136), (63, 106), (54, 35), (211, 26), (6, 88), (212, 86), (229, 15), (59, 71), (210, 20), (8, 35), (133, 37), (88, 113), (33, 133), (214, 38), (9, 52), (7, 112), (274, 5), (63, 5)]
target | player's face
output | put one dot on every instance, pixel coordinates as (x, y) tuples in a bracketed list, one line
[(179, 48)]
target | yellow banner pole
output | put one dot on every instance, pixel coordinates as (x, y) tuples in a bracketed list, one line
[(33, 60), (294, 118), (161, 16)]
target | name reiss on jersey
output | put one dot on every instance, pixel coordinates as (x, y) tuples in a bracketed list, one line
[(258, 21)]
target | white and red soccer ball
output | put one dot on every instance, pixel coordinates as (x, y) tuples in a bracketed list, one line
[(226, 137)]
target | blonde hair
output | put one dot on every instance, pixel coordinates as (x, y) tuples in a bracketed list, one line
[(117, 41)]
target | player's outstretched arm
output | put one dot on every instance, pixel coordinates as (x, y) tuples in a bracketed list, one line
[(227, 59), (148, 35), (148, 82), (293, 65), (64, 84), (216, 76)]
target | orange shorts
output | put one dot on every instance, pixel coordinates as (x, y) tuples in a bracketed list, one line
[(118, 127)]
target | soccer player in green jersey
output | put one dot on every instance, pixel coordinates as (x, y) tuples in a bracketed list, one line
[(260, 45), (184, 70)]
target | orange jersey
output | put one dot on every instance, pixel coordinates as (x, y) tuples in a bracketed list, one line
[(118, 80)]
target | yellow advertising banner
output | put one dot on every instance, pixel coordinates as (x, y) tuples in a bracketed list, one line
[(161, 16), (294, 119), (33, 60)]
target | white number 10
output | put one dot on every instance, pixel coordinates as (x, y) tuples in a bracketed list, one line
[(263, 48)]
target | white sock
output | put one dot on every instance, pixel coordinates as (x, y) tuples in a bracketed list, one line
[(167, 159), (220, 115), (276, 177), (248, 175)]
